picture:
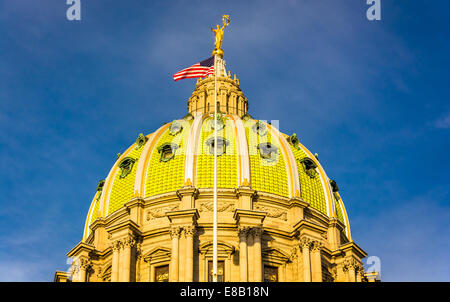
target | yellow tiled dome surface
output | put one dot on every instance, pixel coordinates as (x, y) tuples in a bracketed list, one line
[(266, 176), (96, 207), (226, 163), (168, 176), (163, 177), (311, 188), (123, 188), (339, 212)]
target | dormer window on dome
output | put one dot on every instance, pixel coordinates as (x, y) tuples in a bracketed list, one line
[(167, 151), (293, 139), (259, 128), (100, 186), (309, 166), (126, 165), (222, 145), (220, 122), (175, 128), (268, 151), (335, 188), (141, 140)]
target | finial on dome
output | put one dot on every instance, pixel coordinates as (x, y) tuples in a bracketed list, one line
[(218, 32), (188, 182)]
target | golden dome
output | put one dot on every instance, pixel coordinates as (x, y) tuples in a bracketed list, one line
[(252, 153)]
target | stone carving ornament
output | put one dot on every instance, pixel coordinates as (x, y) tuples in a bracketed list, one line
[(160, 212), (273, 212), (221, 207)]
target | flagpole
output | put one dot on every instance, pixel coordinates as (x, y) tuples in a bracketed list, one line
[(215, 175)]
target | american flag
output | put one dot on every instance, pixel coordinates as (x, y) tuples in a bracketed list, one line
[(199, 70)]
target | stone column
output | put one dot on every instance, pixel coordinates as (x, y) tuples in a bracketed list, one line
[(257, 233), (128, 244), (152, 273), (316, 261), (359, 273), (305, 243), (299, 266), (202, 270), (350, 267), (250, 257), (115, 246), (189, 232), (282, 273), (84, 267), (294, 265), (242, 232), (175, 234)]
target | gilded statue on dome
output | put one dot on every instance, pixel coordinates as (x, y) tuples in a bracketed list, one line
[(218, 32)]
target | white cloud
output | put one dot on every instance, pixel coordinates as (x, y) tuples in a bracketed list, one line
[(443, 122)]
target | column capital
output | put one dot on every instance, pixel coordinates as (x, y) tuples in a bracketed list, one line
[(294, 254), (175, 232), (316, 245), (116, 245), (243, 231), (85, 263), (256, 232), (129, 241), (189, 231), (305, 242), (350, 263)]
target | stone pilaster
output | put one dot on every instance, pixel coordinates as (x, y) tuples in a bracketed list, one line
[(316, 261), (350, 266), (187, 195), (257, 234), (243, 266), (295, 264), (116, 246), (127, 243), (85, 265), (359, 273), (335, 227), (175, 233), (245, 196), (182, 221), (305, 244), (189, 232)]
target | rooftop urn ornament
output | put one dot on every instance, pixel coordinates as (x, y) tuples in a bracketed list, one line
[(218, 32)]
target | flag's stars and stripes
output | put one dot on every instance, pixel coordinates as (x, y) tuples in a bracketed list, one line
[(199, 70)]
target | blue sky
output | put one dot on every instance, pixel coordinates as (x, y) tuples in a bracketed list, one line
[(370, 97)]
